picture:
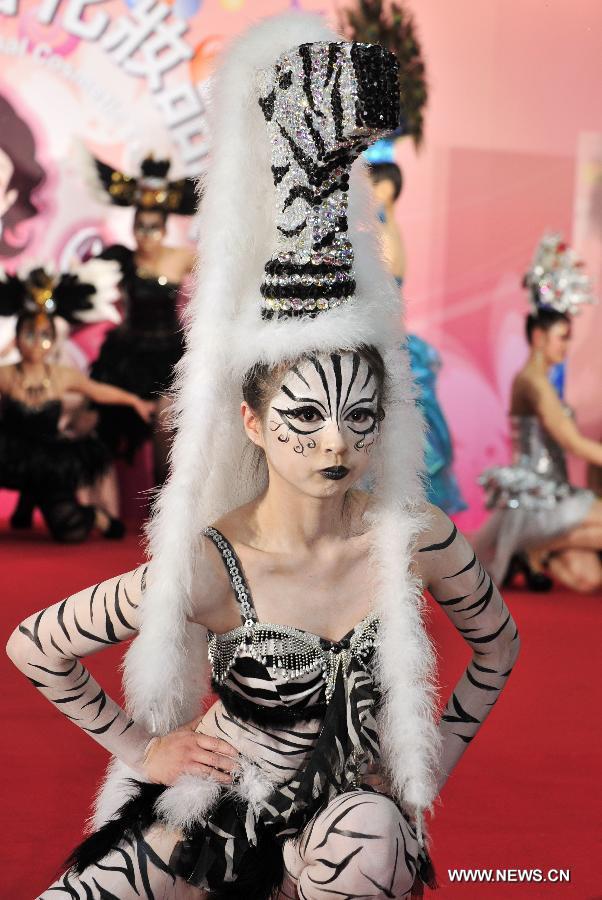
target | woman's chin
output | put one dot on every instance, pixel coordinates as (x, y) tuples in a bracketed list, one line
[(333, 487), (318, 485)]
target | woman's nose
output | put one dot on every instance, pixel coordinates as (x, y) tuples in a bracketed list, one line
[(333, 440)]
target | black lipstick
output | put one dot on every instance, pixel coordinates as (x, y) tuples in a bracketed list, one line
[(335, 473)]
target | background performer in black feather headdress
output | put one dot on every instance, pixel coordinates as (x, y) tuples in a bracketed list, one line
[(140, 355), (35, 457)]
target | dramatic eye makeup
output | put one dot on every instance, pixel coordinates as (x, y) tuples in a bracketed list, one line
[(303, 419), (341, 387), (362, 416)]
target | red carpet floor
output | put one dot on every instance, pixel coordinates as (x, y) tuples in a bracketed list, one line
[(525, 796)]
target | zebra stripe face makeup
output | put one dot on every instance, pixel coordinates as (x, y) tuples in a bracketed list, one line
[(326, 411)]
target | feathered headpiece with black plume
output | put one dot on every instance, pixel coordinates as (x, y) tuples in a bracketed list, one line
[(151, 189), (86, 294), (389, 24)]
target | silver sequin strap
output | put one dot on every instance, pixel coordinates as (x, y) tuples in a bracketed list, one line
[(235, 574)]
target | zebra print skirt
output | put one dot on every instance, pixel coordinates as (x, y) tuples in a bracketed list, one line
[(236, 851)]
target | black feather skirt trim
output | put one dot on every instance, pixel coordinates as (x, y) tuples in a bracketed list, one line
[(199, 858), (46, 464), (235, 852), (136, 815)]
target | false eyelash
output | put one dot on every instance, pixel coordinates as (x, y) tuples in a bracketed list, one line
[(369, 412), (296, 412), (362, 409)]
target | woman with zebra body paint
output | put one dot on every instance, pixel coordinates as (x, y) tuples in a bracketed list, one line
[(303, 549), (310, 774)]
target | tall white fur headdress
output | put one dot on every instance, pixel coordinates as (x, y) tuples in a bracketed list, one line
[(211, 473)]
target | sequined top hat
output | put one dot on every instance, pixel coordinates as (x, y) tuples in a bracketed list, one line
[(556, 279), (150, 190), (323, 104)]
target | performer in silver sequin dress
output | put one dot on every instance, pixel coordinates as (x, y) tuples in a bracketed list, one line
[(538, 515)]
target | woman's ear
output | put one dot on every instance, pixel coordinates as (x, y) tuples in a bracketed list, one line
[(252, 424)]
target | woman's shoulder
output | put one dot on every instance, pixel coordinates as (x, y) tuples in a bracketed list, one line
[(181, 252), (210, 585), (533, 394), (438, 540), (7, 374), (236, 523), (435, 526), (182, 258), (526, 387), (65, 378), (529, 380)]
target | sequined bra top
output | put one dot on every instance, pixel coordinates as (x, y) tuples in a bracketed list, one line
[(533, 448), (276, 673)]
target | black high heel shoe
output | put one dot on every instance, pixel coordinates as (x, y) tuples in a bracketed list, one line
[(537, 582), (22, 516), (115, 530)]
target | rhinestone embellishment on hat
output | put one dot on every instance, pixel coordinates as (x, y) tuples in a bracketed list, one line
[(323, 104)]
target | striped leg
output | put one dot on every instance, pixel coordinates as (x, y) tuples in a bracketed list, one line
[(137, 870), (360, 846)]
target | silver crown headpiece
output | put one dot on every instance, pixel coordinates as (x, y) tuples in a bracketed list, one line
[(556, 279)]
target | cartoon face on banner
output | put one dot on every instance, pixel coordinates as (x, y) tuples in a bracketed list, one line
[(124, 78), (117, 78), (20, 177)]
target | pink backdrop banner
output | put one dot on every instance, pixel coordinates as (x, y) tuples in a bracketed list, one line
[(513, 146)]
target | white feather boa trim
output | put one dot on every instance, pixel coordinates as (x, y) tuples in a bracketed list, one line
[(187, 802), (211, 470)]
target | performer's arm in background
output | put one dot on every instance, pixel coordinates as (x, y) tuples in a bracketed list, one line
[(7, 348), (98, 392), (460, 585)]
